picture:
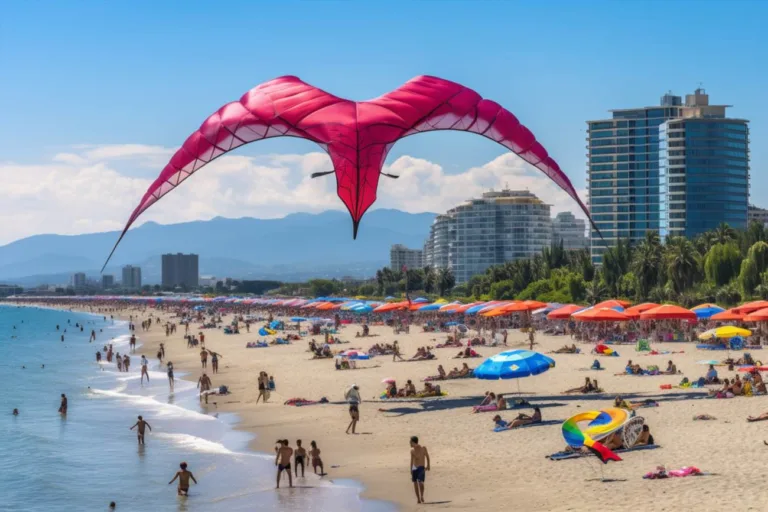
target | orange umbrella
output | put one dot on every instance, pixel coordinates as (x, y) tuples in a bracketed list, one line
[(751, 306), (526, 305), (613, 303), (668, 312), (640, 308), (391, 306), (761, 315), (462, 309), (728, 314), (601, 315), (565, 312), (495, 312)]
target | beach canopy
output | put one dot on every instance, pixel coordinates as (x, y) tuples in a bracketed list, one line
[(668, 312), (513, 364), (565, 312), (761, 315), (391, 306), (600, 315), (727, 315), (725, 332)]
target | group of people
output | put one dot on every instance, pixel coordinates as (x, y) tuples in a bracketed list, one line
[(266, 386), (284, 453)]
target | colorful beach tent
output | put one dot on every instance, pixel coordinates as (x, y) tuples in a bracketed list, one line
[(668, 312)]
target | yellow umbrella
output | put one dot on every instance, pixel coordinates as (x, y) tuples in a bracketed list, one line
[(725, 332)]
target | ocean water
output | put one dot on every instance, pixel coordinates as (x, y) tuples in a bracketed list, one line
[(83, 461)]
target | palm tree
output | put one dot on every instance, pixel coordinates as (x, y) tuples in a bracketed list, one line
[(595, 291), (722, 234), (682, 263), (445, 280), (647, 263), (429, 279)]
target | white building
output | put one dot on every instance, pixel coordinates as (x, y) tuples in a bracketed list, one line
[(570, 230), (131, 277), (756, 214), (498, 227), (401, 256)]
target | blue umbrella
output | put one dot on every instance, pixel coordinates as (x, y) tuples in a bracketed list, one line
[(420, 300), (298, 319), (708, 312), (513, 364), (363, 308), (431, 307), (474, 309)]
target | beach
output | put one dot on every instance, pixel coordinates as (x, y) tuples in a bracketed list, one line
[(473, 466)]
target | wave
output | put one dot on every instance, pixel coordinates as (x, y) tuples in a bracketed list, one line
[(162, 409), (190, 442)]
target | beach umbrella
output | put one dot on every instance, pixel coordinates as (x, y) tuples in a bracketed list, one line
[(421, 300), (727, 315), (708, 312), (761, 315), (363, 308), (668, 312), (389, 297), (391, 306), (513, 364), (388, 380), (613, 303), (710, 362), (753, 368), (449, 308), (705, 305), (751, 306), (640, 308), (601, 315), (516, 307), (298, 319), (565, 312), (465, 307), (429, 307), (725, 332)]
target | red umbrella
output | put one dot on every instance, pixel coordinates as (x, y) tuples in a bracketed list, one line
[(668, 312), (601, 315), (728, 314), (613, 303), (640, 308), (751, 306), (753, 368), (565, 312)]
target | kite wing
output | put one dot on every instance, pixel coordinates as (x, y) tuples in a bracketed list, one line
[(428, 103), (283, 107)]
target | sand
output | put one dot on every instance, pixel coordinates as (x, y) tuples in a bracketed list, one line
[(472, 466)]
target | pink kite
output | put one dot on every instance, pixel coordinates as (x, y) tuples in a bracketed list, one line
[(356, 135)]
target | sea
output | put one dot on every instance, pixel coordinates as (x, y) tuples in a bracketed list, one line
[(90, 457)]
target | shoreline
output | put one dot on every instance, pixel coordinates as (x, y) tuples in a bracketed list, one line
[(187, 364)]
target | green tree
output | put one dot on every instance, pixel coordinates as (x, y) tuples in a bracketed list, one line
[(749, 277), (323, 287), (682, 262), (723, 262), (616, 262), (503, 290), (445, 280), (646, 263), (577, 288), (722, 234)]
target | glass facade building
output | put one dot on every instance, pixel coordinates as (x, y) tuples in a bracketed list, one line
[(654, 168), (498, 227)]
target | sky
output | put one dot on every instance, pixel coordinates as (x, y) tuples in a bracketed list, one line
[(95, 97)]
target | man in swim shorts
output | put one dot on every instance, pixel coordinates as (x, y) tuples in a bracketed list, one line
[(283, 461), (420, 464), (299, 458), (184, 476)]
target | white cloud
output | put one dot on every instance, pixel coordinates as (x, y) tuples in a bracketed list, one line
[(87, 189)]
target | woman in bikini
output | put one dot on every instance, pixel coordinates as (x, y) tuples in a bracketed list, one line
[(314, 453)]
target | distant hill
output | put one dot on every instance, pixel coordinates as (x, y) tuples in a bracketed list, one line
[(291, 248)]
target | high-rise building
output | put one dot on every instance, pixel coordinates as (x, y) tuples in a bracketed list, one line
[(78, 280), (181, 270), (640, 162), (131, 277), (756, 214), (107, 281), (570, 230), (498, 227), (401, 256)]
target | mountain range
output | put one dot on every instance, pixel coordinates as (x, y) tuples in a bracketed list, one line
[(293, 248)]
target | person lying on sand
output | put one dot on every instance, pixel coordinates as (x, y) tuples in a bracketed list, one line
[(645, 438), (761, 417), (633, 369), (522, 419), (566, 349), (588, 387), (467, 353), (613, 441), (429, 391), (422, 354)]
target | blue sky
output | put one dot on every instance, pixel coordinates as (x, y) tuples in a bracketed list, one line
[(147, 73)]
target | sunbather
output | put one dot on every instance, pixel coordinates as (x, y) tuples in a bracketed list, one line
[(588, 387), (566, 349), (524, 419), (645, 438), (490, 397), (762, 417), (613, 441), (671, 369)]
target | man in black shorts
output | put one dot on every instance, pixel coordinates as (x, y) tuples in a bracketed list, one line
[(419, 466), (283, 461)]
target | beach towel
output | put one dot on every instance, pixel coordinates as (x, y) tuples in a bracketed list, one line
[(577, 455), (484, 408), (548, 422)]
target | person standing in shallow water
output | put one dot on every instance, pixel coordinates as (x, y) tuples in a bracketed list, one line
[(142, 425), (63, 405), (169, 367), (184, 477)]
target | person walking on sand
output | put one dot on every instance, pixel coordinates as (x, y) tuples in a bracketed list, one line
[(142, 425), (263, 387), (204, 358), (352, 396), (184, 477), (420, 464), (144, 370), (63, 405), (283, 461), (214, 361), (396, 351)]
